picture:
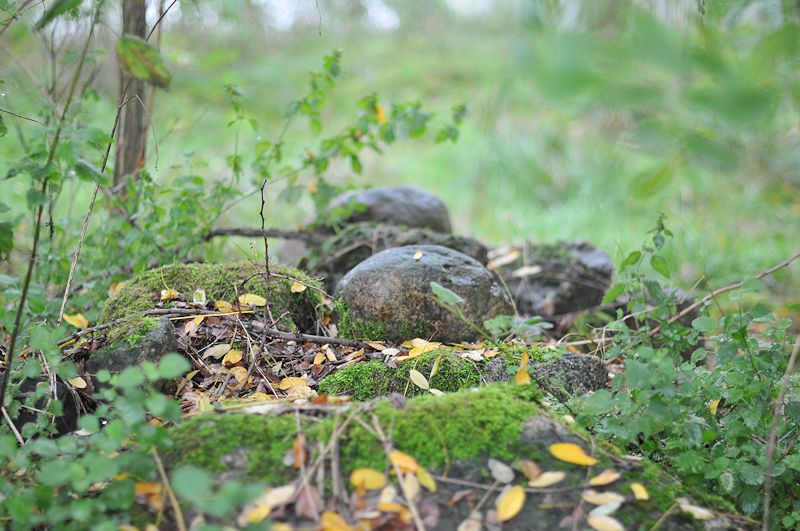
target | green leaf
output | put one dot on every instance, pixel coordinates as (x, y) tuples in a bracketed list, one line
[(650, 182), (3, 128), (87, 171), (659, 265), (142, 61), (614, 292), (631, 259), (498, 325), (172, 365), (444, 295), (59, 7), (191, 483), (704, 324)]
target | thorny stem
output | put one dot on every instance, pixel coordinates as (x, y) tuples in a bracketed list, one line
[(38, 225)]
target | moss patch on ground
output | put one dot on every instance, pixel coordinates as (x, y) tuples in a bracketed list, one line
[(220, 282), (451, 435), (372, 330)]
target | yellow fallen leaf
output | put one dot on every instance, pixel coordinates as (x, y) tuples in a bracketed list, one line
[(436, 392), (572, 453), (223, 306), (169, 294), (604, 523), (216, 351), (258, 513), (197, 320), (77, 382), (522, 377), (405, 462), (261, 508), (419, 342), (510, 503), (419, 379), (426, 479), (331, 521), (415, 352), (319, 358), (291, 381), (252, 299), (500, 261), (297, 287), (116, 288), (260, 396), (417, 255), (233, 357), (547, 479), (712, 406), (380, 347), (601, 498), (380, 115), (606, 477), (240, 373), (77, 320), (300, 392), (525, 359), (410, 486), (367, 479), (639, 492)]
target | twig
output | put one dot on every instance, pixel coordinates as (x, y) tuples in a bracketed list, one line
[(773, 433), (664, 516), (465, 483), (247, 232), (34, 120), (10, 422), (176, 507)]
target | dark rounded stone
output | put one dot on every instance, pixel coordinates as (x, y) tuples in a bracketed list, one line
[(391, 291), (406, 206)]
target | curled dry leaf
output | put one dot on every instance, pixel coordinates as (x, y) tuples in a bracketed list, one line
[(403, 461), (291, 381), (251, 299), (419, 379), (572, 453), (699, 513), (601, 498), (367, 479), (605, 523), (547, 479), (510, 503), (77, 320), (297, 287), (501, 472), (639, 492), (606, 477)]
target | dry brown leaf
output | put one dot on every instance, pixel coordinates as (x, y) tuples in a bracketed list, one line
[(530, 469), (376, 345), (419, 342), (291, 381), (436, 392), (547, 479), (510, 503), (601, 498), (411, 486), (500, 471), (169, 294), (308, 503), (500, 261), (472, 523), (390, 352), (216, 351), (640, 492), (572, 453), (606, 477), (699, 513), (319, 358), (402, 460), (333, 522), (417, 255), (605, 523), (299, 451)]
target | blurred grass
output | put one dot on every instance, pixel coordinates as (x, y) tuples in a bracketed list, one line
[(550, 150)]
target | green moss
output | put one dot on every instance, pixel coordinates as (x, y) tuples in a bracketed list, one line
[(131, 330), (512, 352), (220, 282), (372, 330)]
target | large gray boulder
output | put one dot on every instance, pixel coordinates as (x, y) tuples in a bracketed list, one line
[(389, 296), (358, 241), (558, 278), (406, 206)]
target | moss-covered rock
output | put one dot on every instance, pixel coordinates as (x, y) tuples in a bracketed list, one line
[(567, 374), (452, 436), (220, 282)]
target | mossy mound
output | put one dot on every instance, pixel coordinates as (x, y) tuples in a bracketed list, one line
[(220, 282), (452, 436)]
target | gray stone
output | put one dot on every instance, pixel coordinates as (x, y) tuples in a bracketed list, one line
[(158, 342), (26, 391), (571, 374), (391, 292), (558, 278), (358, 241), (407, 206)]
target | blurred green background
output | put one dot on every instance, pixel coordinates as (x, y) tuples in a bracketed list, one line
[(586, 118)]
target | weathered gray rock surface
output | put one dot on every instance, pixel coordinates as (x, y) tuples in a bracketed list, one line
[(406, 206), (390, 293)]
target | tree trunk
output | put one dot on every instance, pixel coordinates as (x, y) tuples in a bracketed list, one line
[(132, 133)]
